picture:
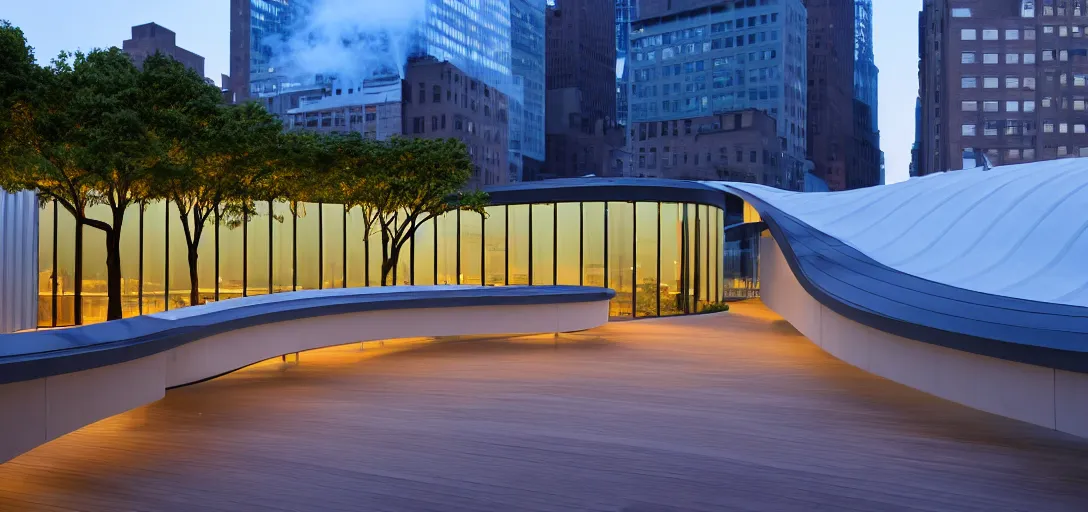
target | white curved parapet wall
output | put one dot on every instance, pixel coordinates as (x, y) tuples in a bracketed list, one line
[(54, 382), (1016, 231)]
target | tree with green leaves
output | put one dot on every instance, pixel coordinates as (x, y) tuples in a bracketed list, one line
[(82, 142), (217, 156), (414, 181)]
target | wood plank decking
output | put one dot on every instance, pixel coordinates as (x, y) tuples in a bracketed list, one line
[(733, 411)]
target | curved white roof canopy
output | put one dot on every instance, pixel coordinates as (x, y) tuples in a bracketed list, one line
[(1018, 231)]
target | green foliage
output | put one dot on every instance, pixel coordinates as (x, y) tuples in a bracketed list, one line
[(715, 307), (92, 129)]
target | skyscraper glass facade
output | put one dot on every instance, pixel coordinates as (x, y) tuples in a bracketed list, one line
[(527, 65), (724, 58), (500, 42), (626, 11), (865, 70)]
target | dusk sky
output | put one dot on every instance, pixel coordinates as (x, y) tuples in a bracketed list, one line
[(203, 27)]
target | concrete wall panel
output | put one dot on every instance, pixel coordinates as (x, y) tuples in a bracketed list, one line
[(24, 403), (1035, 394)]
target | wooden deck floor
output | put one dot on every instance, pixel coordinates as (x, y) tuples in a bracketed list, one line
[(733, 411)]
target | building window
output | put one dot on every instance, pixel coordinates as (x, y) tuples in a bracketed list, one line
[(990, 82), (443, 121), (437, 97), (989, 34), (1029, 58), (1029, 34), (1029, 83), (1078, 128), (434, 123), (1012, 82), (989, 106), (1063, 128), (989, 58), (961, 12), (969, 82), (752, 157), (1012, 58), (968, 130), (418, 125), (1078, 80), (1063, 31), (1063, 55), (1078, 104), (1029, 106), (1014, 154), (967, 58), (990, 128), (968, 34), (1048, 29), (1063, 150), (1029, 154), (1048, 55), (969, 106), (1046, 102), (1012, 34), (1012, 106)]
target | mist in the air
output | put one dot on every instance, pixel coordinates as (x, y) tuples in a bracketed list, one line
[(348, 39)]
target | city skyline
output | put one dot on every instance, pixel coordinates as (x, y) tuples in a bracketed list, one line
[(203, 27)]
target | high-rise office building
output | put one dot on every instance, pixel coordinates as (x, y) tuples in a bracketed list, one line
[(1002, 82), (830, 132), (477, 36), (626, 11), (151, 38), (581, 95), (527, 32), (720, 57), (865, 70), (866, 168)]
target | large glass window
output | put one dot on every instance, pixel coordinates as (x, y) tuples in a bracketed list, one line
[(231, 243), (307, 229), (283, 247), (495, 248), (373, 243), (402, 276), (543, 244), (257, 256), (568, 243), (179, 257), (332, 240), (356, 260), (593, 242), (423, 245), (691, 249), (94, 267), (620, 256), (46, 219), (205, 266), (130, 265), (703, 283), (472, 239), (447, 248), (646, 249), (66, 267), (518, 252)]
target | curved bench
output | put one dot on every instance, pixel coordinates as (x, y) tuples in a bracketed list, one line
[(54, 382), (1018, 358)]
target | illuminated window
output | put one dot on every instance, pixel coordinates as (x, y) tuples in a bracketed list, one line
[(1029, 58), (968, 130), (1012, 106), (990, 82), (1012, 82), (961, 12), (968, 34), (989, 34), (989, 106), (969, 106), (967, 58), (1012, 58), (1012, 34), (989, 58), (969, 82)]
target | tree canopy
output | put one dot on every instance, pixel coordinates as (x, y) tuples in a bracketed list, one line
[(93, 129)]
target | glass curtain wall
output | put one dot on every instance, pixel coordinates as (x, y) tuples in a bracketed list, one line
[(661, 258)]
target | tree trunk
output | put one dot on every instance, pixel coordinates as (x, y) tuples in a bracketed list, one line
[(113, 272), (387, 266), (194, 278), (77, 286), (387, 270)]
